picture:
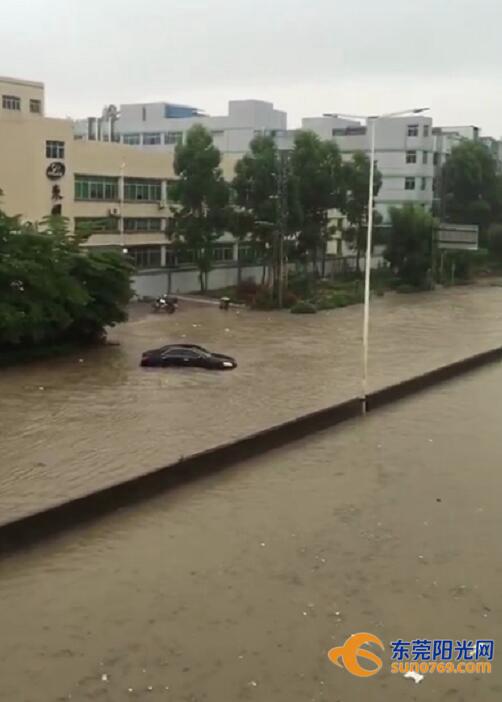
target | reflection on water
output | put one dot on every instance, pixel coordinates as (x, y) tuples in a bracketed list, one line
[(235, 588), (69, 425)]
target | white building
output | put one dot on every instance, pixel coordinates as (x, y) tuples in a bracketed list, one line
[(403, 152), (161, 125)]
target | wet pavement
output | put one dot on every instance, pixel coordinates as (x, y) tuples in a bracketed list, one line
[(234, 588), (71, 425)]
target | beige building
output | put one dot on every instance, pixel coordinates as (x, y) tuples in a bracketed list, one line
[(114, 190)]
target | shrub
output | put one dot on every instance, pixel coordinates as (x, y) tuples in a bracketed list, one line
[(247, 289), (290, 299), (405, 288), (263, 299), (304, 307)]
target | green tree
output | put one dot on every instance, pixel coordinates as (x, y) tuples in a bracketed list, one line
[(318, 186), (471, 187), (355, 206), (255, 189), (52, 290), (409, 250), (201, 197)]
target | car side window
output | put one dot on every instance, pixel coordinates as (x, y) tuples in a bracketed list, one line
[(171, 353)]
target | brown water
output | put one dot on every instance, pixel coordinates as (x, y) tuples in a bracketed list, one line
[(68, 427), (235, 588)]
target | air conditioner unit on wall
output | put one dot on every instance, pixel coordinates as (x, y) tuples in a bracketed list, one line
[(162, 205), (114, 212)]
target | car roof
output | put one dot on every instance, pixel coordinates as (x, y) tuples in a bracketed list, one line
[(195, 347)]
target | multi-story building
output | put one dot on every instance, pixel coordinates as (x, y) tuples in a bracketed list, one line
[(403, 153), (162, 125), (116, 192)]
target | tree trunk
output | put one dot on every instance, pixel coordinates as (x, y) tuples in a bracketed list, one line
[(239, 272), (323, 262), (358, 257)]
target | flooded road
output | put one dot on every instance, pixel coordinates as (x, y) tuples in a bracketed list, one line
[(235, 588), (70, 425)]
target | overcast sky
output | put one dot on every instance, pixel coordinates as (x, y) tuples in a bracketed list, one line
[(307, 56)]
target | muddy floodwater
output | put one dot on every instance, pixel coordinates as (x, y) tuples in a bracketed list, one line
[(70, 425), (235, 587)]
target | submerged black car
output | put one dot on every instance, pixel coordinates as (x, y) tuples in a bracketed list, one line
[(187, 355)]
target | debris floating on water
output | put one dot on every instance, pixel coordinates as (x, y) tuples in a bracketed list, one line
[(104, 677), (253, 683), (411, 675)]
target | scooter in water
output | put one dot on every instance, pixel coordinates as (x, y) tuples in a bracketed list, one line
[(165, 304)]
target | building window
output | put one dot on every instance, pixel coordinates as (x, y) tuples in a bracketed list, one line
[(142, 189), (173, 138), (36, 106), (145, 256), (413, 130), (426, 130), (11, 102), (142, 224), (132, 139), (151, 138), (54, 149), (348, 131), (248, 253), (223, 253), (424, 183), (185, 256), (97, 225), (96, 188), (436, 158), (409, 184), (221, 132), (425, 157), (143, 114), (411, 157)]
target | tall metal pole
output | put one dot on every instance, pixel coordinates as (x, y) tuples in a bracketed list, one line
[(367, 268), (282, 222)]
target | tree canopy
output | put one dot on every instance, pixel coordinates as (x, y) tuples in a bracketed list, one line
[(52, 290), (201, 196), (472, 188), (409, 250)]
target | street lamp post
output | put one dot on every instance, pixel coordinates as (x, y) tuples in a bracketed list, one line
[(371, 121)]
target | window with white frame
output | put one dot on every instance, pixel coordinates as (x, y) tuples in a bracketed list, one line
[(95, 224), (413, 130), (145, 256), (36, 106), (151, 138), (411, 157), (425, 157), (409, 184), (173, 138), (142, 189), (426, 130), (11, 102), (96, 188), (54, 149), (223, 253), (424, 183), (132, 139), (142, 224)]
